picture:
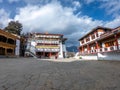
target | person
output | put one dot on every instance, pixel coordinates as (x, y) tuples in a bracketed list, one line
[(55, 56)]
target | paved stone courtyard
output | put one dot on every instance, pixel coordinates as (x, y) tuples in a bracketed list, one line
[(36, 74)]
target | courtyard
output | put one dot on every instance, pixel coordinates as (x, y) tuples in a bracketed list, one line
[(37, 74)]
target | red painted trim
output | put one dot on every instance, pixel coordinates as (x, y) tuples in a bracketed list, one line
[(48, 34)]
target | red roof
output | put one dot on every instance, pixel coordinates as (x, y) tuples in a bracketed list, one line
[(48, 34), (94, 29)]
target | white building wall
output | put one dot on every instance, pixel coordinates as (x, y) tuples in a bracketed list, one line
[(80, 43), (103, 45), (60, 54), (89, 57), (90, 38), (17, 49), (109, 56), (64, 49), (102, 56), (33, 43), (118, 40)]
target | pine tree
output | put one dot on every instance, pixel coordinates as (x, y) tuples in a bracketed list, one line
[(14, 27)]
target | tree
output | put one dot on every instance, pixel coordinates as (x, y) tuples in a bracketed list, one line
[(14, 27)]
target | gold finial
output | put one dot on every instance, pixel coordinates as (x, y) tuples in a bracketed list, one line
[(46, 33)]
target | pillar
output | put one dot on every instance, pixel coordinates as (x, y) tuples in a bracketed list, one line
[(88, 48), (116, 41), (82, 49), (97, 46), (50, 55)]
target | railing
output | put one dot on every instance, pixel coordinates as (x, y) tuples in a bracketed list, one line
[(90, 40), (47, 46), (93, 51), (7, 44), (48, 50), (105, 49), (47, 41), (32, 51)]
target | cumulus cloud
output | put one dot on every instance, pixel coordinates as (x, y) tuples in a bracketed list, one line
[(11, 1), (55, 18), (4, 18), (37, 1), (114, 23), (49, 18), (76, 5), (112, 7), (1, 1)]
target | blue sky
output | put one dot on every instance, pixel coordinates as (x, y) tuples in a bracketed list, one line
[(73, 18)]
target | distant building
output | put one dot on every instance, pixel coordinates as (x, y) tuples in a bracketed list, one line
[(45, 45), (9, 44), (100, 44)]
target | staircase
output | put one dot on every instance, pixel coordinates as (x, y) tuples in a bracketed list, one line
[(31, 51)]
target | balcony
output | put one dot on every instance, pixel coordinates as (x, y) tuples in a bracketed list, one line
[(7, 45), (105, 49), (93, 51), (45, 41), (108, 49), (47, 46), (47, 50)]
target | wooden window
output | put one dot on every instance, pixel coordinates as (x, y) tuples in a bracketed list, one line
[(82, 41), (87, 39), (97, 34), (108, 44), (93, 36)]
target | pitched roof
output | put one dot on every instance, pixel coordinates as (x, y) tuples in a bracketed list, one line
[(94, 29)]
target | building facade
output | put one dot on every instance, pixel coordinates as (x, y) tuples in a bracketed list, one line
[(9, 44), (44, 45), (100, 44)]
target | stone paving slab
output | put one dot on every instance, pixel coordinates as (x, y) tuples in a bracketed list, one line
[(36, 74)]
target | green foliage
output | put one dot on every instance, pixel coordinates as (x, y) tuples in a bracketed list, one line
[(80, 57), (14, 27)]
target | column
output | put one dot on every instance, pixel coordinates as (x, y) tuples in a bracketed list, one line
[(56, 55), (88, 48), (116, 41), (5, 51), (50, 55), (97, 46), (82, 49)]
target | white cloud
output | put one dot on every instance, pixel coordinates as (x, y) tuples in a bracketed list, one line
[(52, 18), (37, 1), (112, 7), (11, 1), (76, 3), (51, 15), (114, 23), (1, 1), (4, 18), (55, 18), (89, 1)]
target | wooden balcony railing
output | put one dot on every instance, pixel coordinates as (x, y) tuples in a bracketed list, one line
[(105, 49)]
